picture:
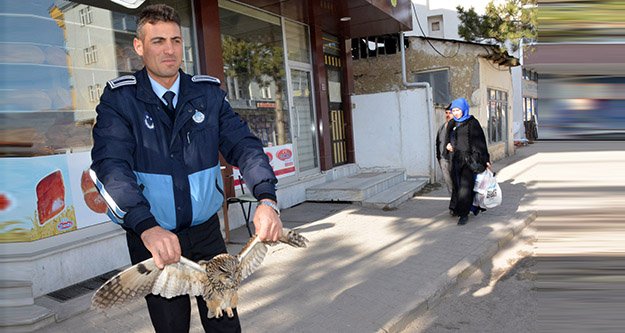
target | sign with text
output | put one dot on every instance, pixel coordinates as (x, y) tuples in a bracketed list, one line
[(281, 160)]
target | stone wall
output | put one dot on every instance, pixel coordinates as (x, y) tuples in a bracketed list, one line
[(469, 76)]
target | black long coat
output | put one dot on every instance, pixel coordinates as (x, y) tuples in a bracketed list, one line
[(467, 139)]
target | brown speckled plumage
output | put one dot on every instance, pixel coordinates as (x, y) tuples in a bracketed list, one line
[(216, 280)]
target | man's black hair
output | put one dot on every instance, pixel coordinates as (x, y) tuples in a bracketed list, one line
[(156, 13)]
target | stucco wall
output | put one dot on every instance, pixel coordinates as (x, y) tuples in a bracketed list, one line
[(392, 130), (495, 77), (383, 73), (469, 76)]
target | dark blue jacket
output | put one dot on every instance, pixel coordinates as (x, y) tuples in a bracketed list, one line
[(151, 171)]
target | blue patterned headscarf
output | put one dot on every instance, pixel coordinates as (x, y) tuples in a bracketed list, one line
[(463, 105)]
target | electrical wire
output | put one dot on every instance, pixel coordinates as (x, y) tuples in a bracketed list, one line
[(427, 38)]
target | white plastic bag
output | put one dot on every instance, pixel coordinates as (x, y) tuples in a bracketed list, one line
[(487, 191)]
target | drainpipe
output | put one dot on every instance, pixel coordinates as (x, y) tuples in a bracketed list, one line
[(430, 104)]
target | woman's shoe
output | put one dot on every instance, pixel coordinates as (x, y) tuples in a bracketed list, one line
[(463, 220), (476, 210)]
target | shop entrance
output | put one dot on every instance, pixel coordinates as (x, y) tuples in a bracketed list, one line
[(338, 137)]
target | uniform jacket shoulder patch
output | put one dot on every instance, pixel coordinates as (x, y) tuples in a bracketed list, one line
[(125, 80), (205, 78)]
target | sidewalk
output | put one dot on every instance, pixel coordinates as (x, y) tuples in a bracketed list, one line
[(365, 270)]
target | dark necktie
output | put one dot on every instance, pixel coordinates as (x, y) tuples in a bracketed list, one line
[(169, 98)]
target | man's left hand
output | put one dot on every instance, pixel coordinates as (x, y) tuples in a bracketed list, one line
[(267, 223)]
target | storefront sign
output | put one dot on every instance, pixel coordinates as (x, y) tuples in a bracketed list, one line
[(38, 203), (50, 199), (266, 105), (280, 159)]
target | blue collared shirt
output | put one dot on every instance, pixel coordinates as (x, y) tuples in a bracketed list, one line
[(159, 90)]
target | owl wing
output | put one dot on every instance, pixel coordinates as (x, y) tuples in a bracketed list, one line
[(183, 277), (254, 252)]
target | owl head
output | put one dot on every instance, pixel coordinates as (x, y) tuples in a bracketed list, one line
[(225, 271)]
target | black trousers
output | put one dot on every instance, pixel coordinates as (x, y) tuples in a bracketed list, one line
[(201, 242), (462, 194)]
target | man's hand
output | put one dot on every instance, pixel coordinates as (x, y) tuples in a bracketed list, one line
[(267, 223), (449, 148), (163, 244)]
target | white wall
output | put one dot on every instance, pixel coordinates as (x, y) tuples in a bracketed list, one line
[(393, 130), (518, 129)]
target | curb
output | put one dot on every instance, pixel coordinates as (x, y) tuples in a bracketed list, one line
[(464, 268)]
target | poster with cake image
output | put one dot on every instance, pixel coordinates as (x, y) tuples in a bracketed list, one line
[(89, 204), (35, 201)]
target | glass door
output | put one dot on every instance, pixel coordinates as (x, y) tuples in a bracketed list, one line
[(302, 110), (304, 123)]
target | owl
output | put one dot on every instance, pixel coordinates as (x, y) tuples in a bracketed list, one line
[(216, 280)]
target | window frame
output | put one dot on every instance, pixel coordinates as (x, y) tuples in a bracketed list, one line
[(446, 98), (497, 113)]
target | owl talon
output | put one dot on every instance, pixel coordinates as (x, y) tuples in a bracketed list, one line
[(219, 313), (229, 312)]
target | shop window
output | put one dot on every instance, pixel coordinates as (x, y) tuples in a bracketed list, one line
[(439, 81), (497, 111), (48, 99), (254, 66), (53, 52), (298, 42)]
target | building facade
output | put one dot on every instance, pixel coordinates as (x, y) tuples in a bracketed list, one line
[(452, 69)]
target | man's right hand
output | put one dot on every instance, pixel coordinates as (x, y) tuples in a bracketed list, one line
[(163, 244)]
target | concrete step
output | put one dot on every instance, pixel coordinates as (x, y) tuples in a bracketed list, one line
[(27, 318), (396, 195), (355, 188), (16, 293), (18, 313)]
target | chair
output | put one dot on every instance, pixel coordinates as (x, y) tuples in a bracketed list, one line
[(243, 199)]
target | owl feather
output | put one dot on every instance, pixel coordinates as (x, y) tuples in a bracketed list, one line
[(216, 280)]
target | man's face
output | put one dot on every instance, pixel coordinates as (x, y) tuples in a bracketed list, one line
[(160, 47), (448, 115), (457, 113)]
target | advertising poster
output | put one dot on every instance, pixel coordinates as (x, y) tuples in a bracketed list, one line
[(280, 159), (36, 202), (89, 205)]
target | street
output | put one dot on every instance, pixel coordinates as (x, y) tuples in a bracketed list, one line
[(369, 270), (499, 297), (565, 272)]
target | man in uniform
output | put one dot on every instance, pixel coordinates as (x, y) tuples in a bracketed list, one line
[(155, 162)]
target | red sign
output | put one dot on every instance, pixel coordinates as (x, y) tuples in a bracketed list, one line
[(266, 105), (284, 154)]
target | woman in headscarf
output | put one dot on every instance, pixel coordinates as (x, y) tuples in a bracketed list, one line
[(467, 144)]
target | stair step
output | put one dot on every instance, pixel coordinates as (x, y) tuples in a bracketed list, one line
[(357, 187), (25, 318), (396, 195), (16, 293)]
